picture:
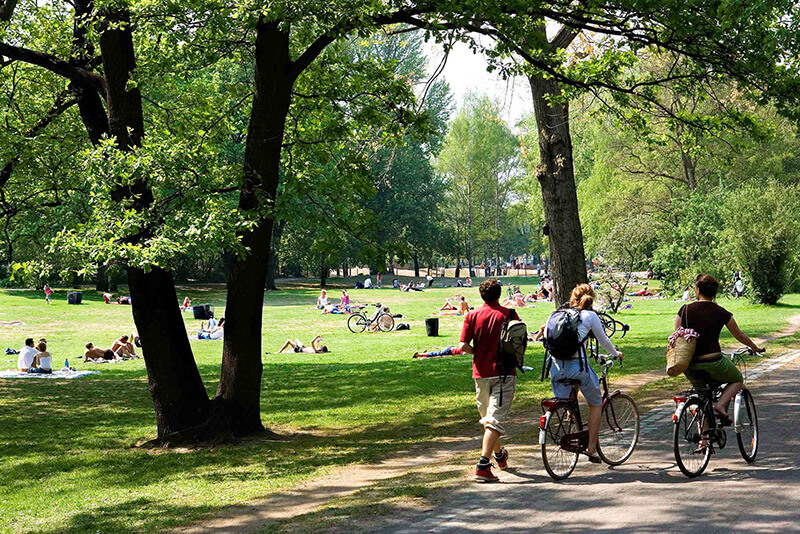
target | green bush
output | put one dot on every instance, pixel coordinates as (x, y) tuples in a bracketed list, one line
[(762, 226)]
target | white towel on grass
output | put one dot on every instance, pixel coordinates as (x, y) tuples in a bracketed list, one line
[(11, 374)]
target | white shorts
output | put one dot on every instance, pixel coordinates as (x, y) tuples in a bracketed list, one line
[(487, 394)]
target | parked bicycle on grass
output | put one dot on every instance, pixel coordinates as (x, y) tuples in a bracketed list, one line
[(381, 320)]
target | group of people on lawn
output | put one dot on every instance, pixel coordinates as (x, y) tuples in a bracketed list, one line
[(34, 357), (123, 348)]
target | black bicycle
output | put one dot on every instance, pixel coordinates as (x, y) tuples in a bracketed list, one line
[(562, 435), (697, 431), (611, 325)]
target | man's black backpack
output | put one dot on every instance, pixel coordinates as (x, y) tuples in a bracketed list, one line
[(561, 338)]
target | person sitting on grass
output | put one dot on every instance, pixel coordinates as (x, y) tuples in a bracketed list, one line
[(447, 351), (297, 346), (517, 300), (374, 321), (94, 354), (344, 302), (42, 362), (124, 300), (322, 300), (216, 332), (187, 303), (27, 354), (123, 348)]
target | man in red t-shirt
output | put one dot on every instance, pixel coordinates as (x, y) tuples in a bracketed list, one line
[(481, 338)]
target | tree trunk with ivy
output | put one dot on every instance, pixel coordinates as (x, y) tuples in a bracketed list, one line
[(559, 193)]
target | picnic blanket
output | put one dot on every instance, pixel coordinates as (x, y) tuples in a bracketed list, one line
[(11, 374)]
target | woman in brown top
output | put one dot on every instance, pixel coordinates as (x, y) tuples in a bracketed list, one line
[(708, 365)]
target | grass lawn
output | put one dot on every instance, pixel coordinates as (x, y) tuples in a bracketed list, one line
[(68, 455)]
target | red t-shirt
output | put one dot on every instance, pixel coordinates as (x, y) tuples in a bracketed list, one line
[(483, 326)]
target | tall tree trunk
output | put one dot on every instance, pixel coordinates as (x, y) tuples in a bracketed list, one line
[(416, 267), (237, 402), (179, 397), (323, 273), (559, 193), (273, 258), (458, 268), (102, 278)]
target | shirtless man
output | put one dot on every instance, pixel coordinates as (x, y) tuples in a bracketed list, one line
[(297, 346), (123, 348), (95, 353)]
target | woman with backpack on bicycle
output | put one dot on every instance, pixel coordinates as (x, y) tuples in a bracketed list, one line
[(708, 364), (575, 366)]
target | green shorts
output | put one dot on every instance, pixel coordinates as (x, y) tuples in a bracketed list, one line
[(714, 373)]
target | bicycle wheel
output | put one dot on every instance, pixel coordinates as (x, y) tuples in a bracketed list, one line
[(747, 437), (357, 323), (686, 435), (609, 325), (558, 462), (619, 430), (386, 322)]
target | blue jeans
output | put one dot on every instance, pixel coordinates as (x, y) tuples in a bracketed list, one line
[(444, 352)]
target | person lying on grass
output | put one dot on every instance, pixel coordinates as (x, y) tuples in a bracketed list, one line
[(447, 351), (42, 362), (95, 354), (297, 346)]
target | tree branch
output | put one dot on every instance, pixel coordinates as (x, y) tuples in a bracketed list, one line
[(75, 74)]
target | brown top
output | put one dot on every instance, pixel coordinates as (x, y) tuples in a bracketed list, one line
[(707, 318)]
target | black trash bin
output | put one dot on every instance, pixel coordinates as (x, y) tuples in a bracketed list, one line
[(432, 326), (202, 311), (74, 297)]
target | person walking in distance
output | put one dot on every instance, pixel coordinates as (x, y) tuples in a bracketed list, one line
[(47, 293), (494, 393)]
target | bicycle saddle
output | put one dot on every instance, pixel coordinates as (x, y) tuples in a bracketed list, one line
[(569, 382)]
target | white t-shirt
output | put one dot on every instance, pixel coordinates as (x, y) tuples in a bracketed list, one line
[(25, 359), (590, 322), (739, 285), (686, 295), (322, 301), (217, 334), (368, 283)]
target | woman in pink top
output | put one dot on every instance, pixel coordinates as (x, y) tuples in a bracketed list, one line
[(47, 293)]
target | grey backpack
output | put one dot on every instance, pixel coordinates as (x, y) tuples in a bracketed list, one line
[(513, 342)]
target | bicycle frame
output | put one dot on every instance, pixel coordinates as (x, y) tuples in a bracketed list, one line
[(548, 404), (709, 396)]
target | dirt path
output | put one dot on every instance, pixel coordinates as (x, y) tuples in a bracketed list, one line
[(257, 516)]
